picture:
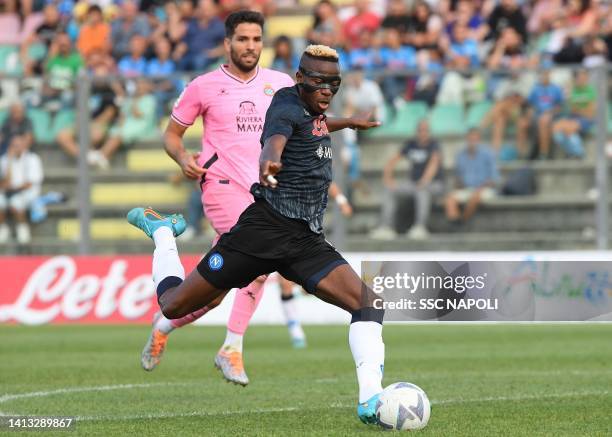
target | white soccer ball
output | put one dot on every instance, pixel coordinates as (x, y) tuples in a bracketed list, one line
[(403, 406)]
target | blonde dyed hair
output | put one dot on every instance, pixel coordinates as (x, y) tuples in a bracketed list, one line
[(321, 51)]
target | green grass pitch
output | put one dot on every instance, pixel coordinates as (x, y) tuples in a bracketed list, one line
[(483, 380)]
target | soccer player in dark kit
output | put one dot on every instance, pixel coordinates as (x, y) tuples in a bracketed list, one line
[(282, 230)]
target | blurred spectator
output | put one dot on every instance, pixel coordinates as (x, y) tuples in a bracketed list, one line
[(426, 180), (21, 176), (17, 124), (507, 14), (137, 122), (326, 22), (104, 111), (284, 58), (461, 87), (508, 52), (161, 65), (476, 178), (62, 67), (135, 64), (510, 105), (394, 56), (95, 34), (595, 52), (124, 28), (467, 15), (358, 96), (22, 7), (581, 17), (545, 102), (173, 28), (44, 34), (543, 14), (202, 44), (363, 21), (568, 130), (365, 56), (427, 27), (398, 18)]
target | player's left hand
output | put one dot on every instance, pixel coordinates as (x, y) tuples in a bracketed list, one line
[(364, 122)]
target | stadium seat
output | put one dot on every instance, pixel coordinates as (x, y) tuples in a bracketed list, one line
[(138, 193), (149, 160), (291, 26), (477, 112), (100, 229), (3, 116), (404, 123), (37, 51), (9, 60), (41, 123), (447, 120), (30, 24)]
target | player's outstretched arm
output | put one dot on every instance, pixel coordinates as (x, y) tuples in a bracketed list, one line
[(361, 122), (270, 159), (173, 143)]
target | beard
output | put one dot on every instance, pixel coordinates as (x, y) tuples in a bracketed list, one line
[(238, 62)]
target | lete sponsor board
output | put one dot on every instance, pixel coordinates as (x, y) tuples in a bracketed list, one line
[(119, 289)]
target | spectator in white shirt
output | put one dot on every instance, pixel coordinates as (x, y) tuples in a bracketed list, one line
[(21, 176)]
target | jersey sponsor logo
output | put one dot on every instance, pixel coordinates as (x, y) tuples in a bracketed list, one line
[(319, 128), (268, 90), (324, 152), (215, 262), (248, 118)]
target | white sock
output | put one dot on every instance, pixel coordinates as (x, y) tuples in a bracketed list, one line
[(166, 261), (365, 339), (164, 324), (233, 341), (290, 310)]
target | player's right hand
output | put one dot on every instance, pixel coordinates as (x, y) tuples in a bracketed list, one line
[(189, 165), (267, 171)]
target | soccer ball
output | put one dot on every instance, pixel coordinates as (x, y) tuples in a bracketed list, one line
[(403, 406)]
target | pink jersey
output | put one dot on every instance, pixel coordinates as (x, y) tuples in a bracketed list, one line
[(233, 112)]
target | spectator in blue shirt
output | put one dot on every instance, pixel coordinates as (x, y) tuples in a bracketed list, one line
[(135, 64), (476, 178), (463, 51), (545, 102), (394, 56), (158, 67), (284, 58), (124, 28), (202, 44), (365, 56)]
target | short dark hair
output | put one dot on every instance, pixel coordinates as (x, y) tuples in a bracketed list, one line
[(239, 17), (94, 8)]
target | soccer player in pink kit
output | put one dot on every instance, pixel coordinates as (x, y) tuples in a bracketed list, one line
[(232, 101)]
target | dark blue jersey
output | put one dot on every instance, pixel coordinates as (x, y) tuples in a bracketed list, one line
[(304, 179)]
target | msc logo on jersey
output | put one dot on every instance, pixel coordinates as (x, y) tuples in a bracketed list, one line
[(215, 262), (268, 90), (324, 152), (319, 127)]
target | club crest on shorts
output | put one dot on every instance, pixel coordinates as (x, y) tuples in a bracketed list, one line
[(215, 262)]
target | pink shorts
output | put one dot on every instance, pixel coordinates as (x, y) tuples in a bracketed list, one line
[(223, 203)]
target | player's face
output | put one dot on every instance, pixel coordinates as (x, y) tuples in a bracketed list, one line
[(245, 46), (326, 73)]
